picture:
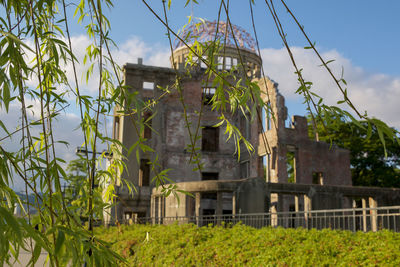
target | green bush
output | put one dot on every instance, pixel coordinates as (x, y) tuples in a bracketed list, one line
[(188, 245)]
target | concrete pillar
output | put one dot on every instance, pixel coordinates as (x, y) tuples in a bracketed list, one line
[(234, 203), (296, 209), (153, 209), (307, 209), (296, 203), (364, 214), (273, 209), (197, 207), (218, 210), (274, 216), (374, 214)]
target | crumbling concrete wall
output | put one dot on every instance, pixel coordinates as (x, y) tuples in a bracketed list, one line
[(311, 157)]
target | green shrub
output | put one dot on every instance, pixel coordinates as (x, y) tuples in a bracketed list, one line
[(188, 245)]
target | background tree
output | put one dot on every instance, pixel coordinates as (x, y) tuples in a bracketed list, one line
[(76, 188), (372, 162)]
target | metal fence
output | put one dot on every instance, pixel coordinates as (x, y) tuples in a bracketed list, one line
[(357, 219)]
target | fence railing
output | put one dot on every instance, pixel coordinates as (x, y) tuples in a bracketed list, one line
[(357, 219)]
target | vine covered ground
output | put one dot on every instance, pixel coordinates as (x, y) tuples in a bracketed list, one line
[(240, 245)]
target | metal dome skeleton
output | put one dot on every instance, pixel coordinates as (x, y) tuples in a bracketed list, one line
[(205, 32)]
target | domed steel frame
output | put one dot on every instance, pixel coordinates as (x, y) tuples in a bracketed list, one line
[(205, 31)]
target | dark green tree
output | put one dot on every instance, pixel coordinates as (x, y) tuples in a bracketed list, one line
[(77, 176), (77, 186), (372, 162)]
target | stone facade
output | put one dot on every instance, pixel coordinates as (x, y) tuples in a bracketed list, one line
[(170, 138), (288, 154)]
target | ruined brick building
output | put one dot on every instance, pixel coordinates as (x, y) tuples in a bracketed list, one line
[(224, 185)]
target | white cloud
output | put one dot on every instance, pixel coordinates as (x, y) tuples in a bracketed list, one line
[(375, 93), (127, 52), (135, 48), (65, 125)]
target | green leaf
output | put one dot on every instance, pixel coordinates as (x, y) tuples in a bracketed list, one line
[(16, 39), (4, 127), (59, 241)]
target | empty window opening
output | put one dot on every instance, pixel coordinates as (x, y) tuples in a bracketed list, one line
[(291, 167), (264, 165), (209, 195), (228, 63), (234, 61), (245, 169), (267, 166), (220, 63), (195, 61), (207, 212), (144, 173), (261, 167), (249, 69), (141, 214), (208, 93), (318, 178), (116, 127), (203, 65), (209, 139), (227, 202), (288, 122), (268, 116), (255, 71), (148, 85), (205, 176), (190, 206), (147, 120), (273, 160)]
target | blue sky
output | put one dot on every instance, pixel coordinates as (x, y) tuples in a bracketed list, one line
[(362, 36), (366, 32)]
